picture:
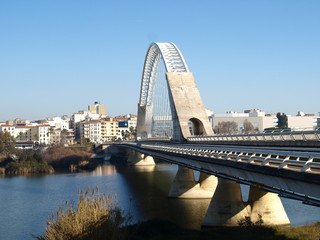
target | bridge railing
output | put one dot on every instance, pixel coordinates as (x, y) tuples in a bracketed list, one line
[(312, 135), (306, 162)]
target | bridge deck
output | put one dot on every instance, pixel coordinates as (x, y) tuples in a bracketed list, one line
[(292, 173)]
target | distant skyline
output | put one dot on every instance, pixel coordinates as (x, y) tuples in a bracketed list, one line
[(57, 57)]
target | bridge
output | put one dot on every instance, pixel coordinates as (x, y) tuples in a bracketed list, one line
[(173, 126)]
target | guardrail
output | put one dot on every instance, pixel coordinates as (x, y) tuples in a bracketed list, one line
[(307, 162), (266, 136)]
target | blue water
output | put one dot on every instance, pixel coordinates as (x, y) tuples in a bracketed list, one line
[(27, 202)]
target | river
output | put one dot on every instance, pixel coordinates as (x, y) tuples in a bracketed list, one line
[(27, 201)]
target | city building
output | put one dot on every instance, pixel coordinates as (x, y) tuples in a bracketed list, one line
[(20, 122), (305, 122), (257, 118), (42, 134), (67, 137), (55, 136), (39, 134), (126, 124), (316, 121), (99, 131), (59, 122), (260, 120), (110, 130), (80, 116), (97, 108), (123, 127), (91, 130)]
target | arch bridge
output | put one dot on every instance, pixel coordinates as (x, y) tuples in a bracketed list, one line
[(171, 111)]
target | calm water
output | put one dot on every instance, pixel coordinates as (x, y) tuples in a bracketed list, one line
[(26, 202)]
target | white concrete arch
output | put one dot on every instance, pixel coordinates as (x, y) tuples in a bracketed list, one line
[(173, 61), (184, 97)]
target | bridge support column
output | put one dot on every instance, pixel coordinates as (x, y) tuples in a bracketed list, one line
[(185, 186), (139, 159), (226, 207), (208, 183), (268, 207), (131, 155)]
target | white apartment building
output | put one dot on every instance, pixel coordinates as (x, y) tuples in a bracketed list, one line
[(59, 122), (8, 128), (80, 116), (91, 130), (39, 134), (99, 131), (132, 120), (126, 123), (43, 134)]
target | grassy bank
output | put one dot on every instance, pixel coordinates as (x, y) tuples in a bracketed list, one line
[(24, 162), (66, 158), (27, 167), (158, 229)]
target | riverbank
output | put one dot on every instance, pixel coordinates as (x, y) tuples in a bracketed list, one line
[(53, 159), (159, 229), (95, 216), (70, 158)]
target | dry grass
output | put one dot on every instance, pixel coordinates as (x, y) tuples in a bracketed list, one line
[(309, 232), (93, 217), (62, 157)]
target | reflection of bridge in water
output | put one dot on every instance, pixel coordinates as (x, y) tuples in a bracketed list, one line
[(173, 126)]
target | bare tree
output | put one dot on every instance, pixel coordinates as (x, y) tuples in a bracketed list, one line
[(247, 127), (227, 127)]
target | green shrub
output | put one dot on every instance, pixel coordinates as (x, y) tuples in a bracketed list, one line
[(27, 162)]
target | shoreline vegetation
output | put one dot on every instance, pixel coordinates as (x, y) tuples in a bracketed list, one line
[(97, 216), (56, 158)]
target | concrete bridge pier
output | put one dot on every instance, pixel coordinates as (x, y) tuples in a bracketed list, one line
[(208, 183), (226, 207), (131, 155), (139, 159), (185, 186), (267, 207)]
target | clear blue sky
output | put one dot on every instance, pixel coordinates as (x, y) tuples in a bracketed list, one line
[(57, 57)]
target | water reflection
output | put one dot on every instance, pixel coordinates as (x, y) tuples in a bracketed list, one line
[(144, 168), (103, 170), (150, 186)]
